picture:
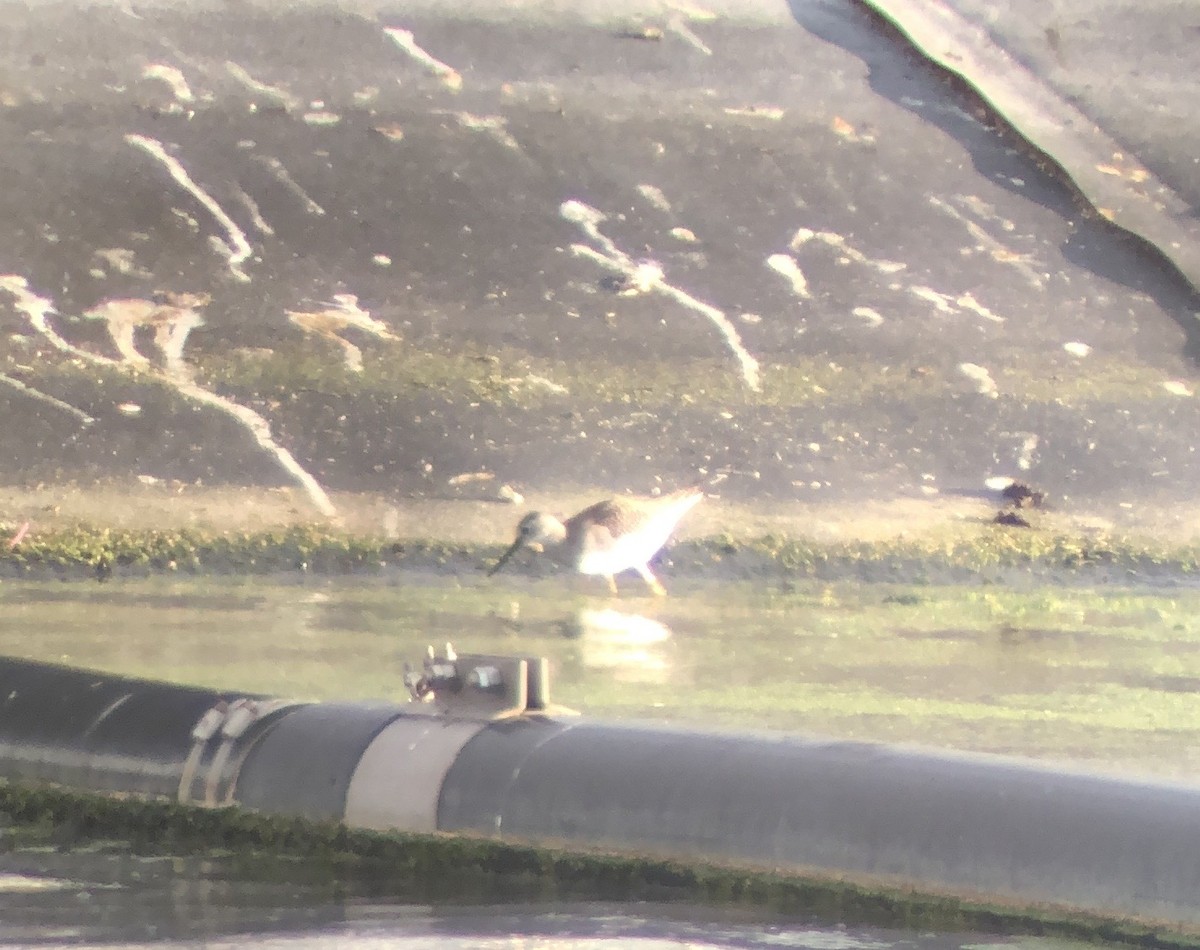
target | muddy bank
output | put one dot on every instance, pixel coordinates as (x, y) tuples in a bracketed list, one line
[(106, 531), (416, 867), (372, 252)]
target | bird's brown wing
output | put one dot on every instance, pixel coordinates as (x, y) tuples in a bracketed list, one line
[(609, 515)]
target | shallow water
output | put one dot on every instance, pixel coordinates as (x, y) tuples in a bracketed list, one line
[(106, 897), (1103, 677)]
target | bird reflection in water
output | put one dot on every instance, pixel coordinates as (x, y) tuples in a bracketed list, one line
[(632, 647)]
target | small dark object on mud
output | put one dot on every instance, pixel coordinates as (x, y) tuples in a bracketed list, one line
[(1020, 495), (613, 283), (641, 33), (1011, 519)]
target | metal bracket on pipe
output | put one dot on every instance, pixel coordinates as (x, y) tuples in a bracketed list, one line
[(483, 686), (230, 722)]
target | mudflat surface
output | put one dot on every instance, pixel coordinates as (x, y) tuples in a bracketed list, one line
[(377, 259)]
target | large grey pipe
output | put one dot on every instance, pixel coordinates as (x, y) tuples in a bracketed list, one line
[(959, 824), (968, 824)]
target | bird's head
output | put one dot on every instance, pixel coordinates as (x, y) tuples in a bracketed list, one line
[(533, 531), (536, 529)]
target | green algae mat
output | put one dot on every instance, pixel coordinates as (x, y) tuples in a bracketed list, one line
[(1096, 673)]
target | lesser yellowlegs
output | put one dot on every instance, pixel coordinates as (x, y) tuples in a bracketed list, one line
[(611, 536)]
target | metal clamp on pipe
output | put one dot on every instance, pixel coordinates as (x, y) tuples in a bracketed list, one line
[(233, 721), (483, 686)]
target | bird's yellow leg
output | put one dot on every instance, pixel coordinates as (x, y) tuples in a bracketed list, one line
[(652, 581), (612, 585)]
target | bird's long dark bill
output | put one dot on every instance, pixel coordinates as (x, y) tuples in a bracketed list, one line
[(504, 557)]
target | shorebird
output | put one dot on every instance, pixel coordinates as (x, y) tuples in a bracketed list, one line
[(611, 536)]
